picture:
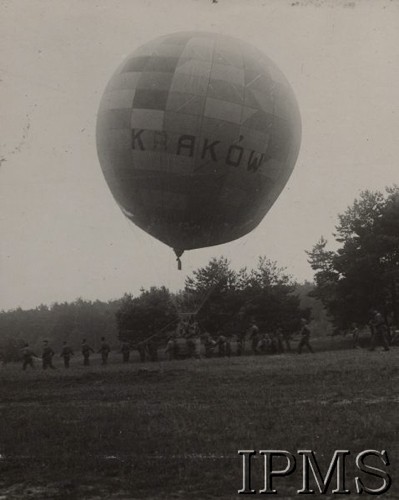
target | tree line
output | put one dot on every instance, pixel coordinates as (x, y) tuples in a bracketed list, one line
[(223, 301), (362, 274), (57, 323)]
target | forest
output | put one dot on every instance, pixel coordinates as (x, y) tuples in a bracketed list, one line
[(359, 276)]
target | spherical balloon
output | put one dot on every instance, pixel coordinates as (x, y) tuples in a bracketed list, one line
[(197, 134)]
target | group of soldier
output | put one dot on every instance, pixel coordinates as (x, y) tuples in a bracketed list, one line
[(380, 332), (222, 345), (66, 354), (148, 349), (278, 341), (261, 343)]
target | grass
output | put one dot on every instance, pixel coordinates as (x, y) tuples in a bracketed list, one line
[(173, 429)]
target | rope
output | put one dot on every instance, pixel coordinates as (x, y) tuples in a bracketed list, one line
[(178, 253), (207, 295), (157, 333)]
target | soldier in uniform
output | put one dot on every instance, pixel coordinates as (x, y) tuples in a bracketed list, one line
[(152, 347), (253, 332), (170, 348), (104, 351), (262, 345), (271, 343), (379, 329), (305, 336), (221, 343), (142, 348), (86, 350), (228, 347), (286, 339), (279, 340), (27, 356), (190, 342), (176, 349), (66, 353), (47, 356), (209, 345), (125, 350), (240, 346), (355, 336)]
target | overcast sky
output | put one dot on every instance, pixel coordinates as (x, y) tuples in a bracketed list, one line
[(62, 235)]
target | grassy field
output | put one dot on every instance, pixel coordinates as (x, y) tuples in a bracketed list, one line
[(173, 429)]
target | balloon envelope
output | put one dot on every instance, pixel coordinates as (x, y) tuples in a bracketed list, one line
[(197, 134)]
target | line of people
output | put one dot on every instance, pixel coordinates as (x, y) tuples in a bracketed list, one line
[(178, 348), (66, 354), (186, 344), (381, 333), (222, 345), (279, 341)]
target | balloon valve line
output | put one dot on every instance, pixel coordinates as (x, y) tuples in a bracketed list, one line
[(178, 253)]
